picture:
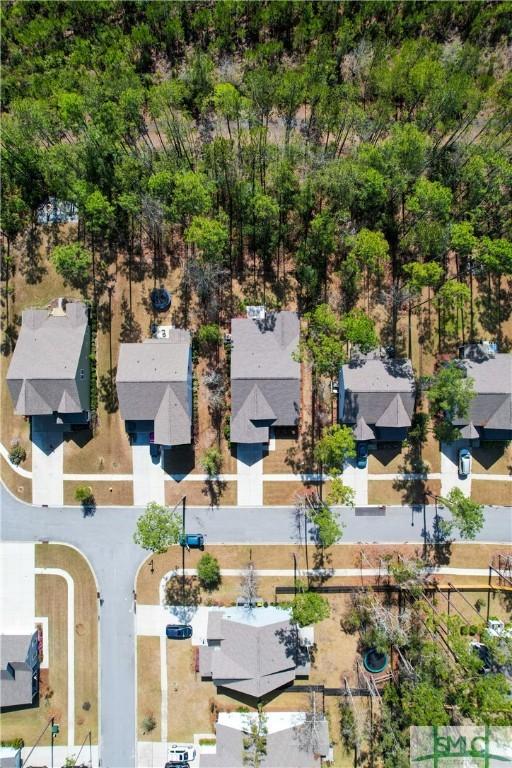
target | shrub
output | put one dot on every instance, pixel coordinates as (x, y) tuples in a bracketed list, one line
[(207, 339), (149, 724), (464, 630), (473, 629), (211, 461), (208, 571), (17, 454), (479, 604), (84, 494), (86, 705)]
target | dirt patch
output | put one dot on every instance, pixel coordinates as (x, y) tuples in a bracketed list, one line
[(431, 453), (492, 492), (200, 494), (149, 692), (19, 486), (105, 492), (286, 452), (86, 632)]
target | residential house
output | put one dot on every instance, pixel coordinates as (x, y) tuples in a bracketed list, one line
[(377, 397), (49, 370), (490, 413), (293, 740), (253, 651), (19, 670), (265, 377), (154, 387)]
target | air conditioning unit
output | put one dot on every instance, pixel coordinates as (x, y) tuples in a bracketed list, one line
[(255, 313)]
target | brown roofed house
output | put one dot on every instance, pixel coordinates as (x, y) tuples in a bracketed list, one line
[(376, 397), (49, 370), (154, 384), (265, 377)]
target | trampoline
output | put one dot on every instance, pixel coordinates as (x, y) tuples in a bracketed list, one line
[(374, 661), (160, 299)]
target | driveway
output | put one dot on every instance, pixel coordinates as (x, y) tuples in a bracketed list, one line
[(148, 475), (47, 462), (105, 538), (249, 467), (357, 479), (450, 477)]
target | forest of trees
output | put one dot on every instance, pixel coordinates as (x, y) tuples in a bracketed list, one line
[(283, 145)]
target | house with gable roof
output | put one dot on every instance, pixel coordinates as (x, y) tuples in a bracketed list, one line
[(265, 377), (49, 372), (376, 396), (154, 386)]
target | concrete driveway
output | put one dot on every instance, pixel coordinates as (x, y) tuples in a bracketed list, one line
[(249, 467), (450, 477), (47, 462), (357, 479), (148, 474)]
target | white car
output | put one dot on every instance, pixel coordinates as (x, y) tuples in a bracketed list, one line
[(181, 753), (464, 462)]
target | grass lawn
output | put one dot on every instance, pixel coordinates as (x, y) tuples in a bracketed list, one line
[(86, 633), (19, 486), (51, 601), (492, 492), (400, 491), (149, 692), (286, 453), (494, 458), (105, 492), (284, 493), (199, 495)]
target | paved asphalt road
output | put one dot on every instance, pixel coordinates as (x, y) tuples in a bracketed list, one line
[(106, 540)]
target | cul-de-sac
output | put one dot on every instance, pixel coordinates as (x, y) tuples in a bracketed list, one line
[(256, 384)]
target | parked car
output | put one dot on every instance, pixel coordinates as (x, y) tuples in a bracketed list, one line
[(178, 631), (171, 764), (464, 462), (192, 540), (362, 455), (180, 754)]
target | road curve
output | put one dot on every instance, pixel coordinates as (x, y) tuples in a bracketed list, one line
[(106, 540)]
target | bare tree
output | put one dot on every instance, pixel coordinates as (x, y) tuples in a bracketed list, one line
[(249, 584), (309, 731)]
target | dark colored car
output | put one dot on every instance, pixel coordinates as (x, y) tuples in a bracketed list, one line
[(192, 540), (154, 451), (178, 631), (362, 455)]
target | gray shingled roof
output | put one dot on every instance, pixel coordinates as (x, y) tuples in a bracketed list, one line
[(250, 658), (153, 385), (15, 672), (491, 408), (382, 392), (265, 379), (362, 431), (285, 748), (52, 348)]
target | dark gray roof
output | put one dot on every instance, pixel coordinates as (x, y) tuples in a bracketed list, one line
[(15, 670), (44, 374), (153, 384), (265, 379), (491, 407), (285, 748), (250, 658), (382, 392)]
